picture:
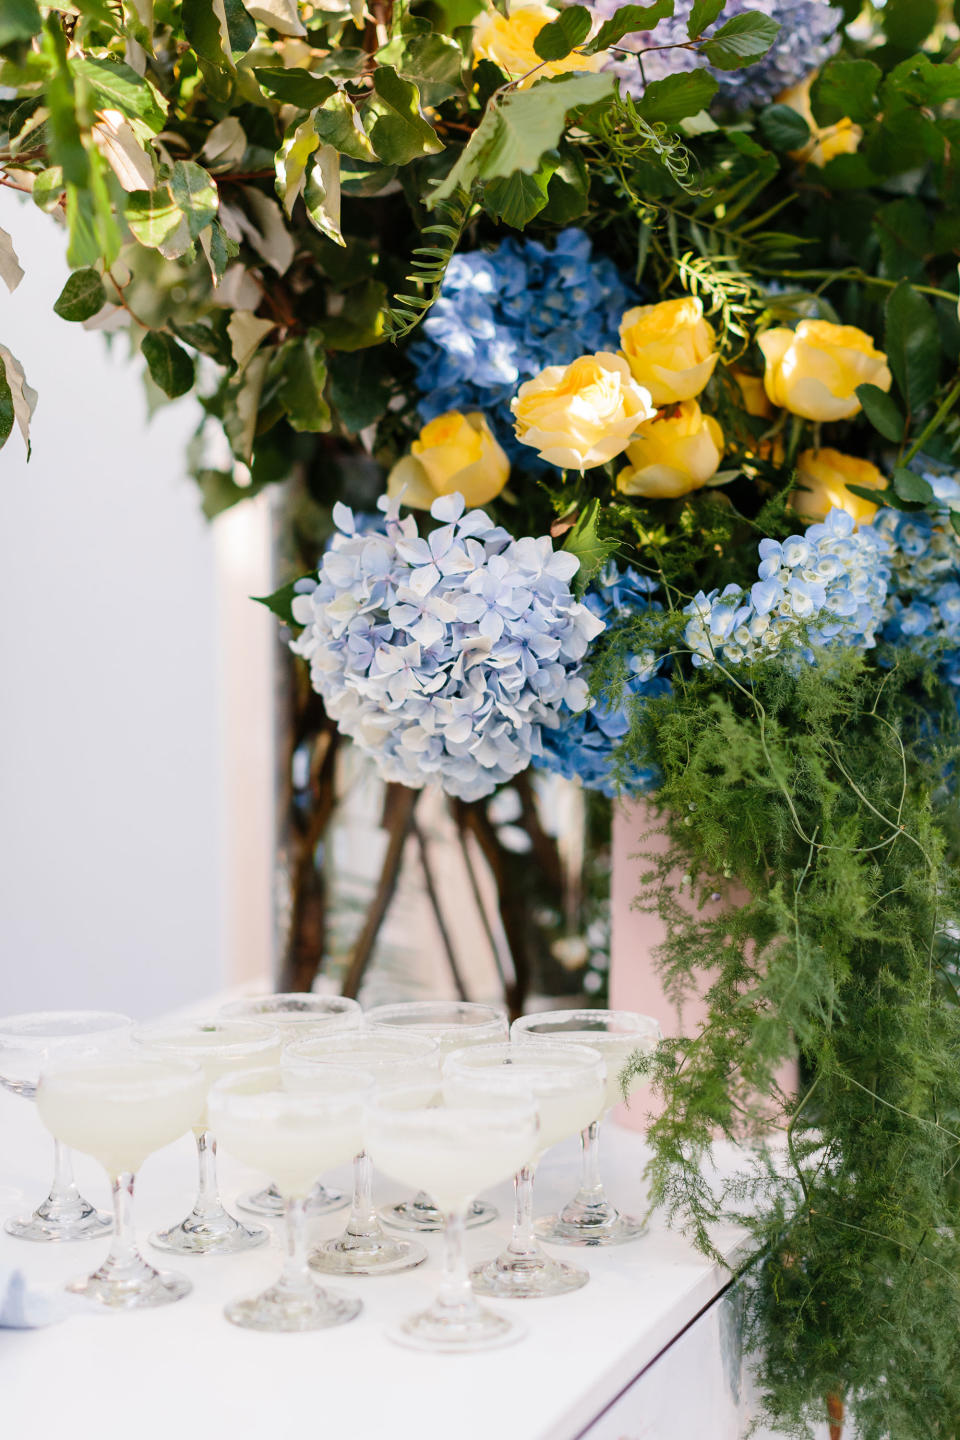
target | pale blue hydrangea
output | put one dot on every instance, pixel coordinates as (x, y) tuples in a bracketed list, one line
[(825, 587), (806, 40), (445, 657), (923, 604), (503, 315), (583, 747)]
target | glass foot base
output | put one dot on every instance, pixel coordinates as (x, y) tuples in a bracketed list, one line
[(511, 1277), (144, 1290), (367, 1255), (269, 1201), (210, 1235), (278, 1309), (413, 1215), (444, 1334), (56, 1223), (608, 1229)]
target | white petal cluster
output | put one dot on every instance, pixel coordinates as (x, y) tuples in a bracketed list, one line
[(443, 656)]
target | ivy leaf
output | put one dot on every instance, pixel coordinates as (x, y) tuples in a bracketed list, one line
[(397, 130), (170, 365), (676, 97), (291, 162), (19, 20), (301, 390), (11, 271), (23, 397), (81, 297), (152, 215), (846, 89), (295, 87), (337, 122), (569, 187), (321, 194), (280, 603), (195, 192), (570, 29), (625, 21), (517, 132), (218, 248), (47, 188), (220, 31), (434, 62), (281, 15), (704, 13), (913, 487), (882, 412), (783, 128), (913, 345), (116, 86), (516, 198), (743, 39), (590, 548), (6, 405)]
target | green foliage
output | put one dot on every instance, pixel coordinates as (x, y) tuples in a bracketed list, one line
[(82, 296), (743, 39), (624, 21), (591, 548), (170, 366)]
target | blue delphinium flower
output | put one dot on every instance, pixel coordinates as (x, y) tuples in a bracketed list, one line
[(583, 747), (444, 657), (504, 314), (825, 587), (806, 39)]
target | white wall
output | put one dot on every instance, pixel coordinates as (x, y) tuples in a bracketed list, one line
[(111, 794)]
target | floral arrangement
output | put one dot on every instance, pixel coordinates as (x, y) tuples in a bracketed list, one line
[(617, 299)]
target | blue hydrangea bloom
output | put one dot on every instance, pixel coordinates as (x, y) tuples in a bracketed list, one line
[(503, 315), (807, 38), (583, 747), (825, 587), (445, 657)]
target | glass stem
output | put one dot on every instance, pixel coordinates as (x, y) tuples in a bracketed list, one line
[(591, 1187), (456, 1299), (123, 1247), (208, 1191), (523, 1241), (63, 1188), (363, 1218), (295, 1276)]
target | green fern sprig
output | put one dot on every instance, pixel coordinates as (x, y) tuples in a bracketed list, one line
[(428, 266)]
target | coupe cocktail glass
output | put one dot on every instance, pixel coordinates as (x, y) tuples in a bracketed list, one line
[(454, 1024), (292, 1134), (590, 1219), (27, 1042), (298, 1015), (119, 1110), (567, 1084), (219, 1047), (457, 1150), (392, 1060)]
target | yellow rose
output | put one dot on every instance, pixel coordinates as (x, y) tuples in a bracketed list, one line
[(507, 40), (822, 480), (670, 348), (814, 370), (672, 455), (583, 414), (752, 393), (825, 140), (454, 452)]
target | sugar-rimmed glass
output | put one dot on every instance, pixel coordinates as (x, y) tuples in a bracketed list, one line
[(589, 1218), (567, 1084), (457, 1150), (292, 1134), (298, 1015), (220, 1047), (27, 1042), (392, 1059), (121, 1109), (454, 1024)]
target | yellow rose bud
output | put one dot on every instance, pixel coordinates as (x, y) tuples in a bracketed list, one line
[(825, 140), (822, 480), (671, 349), (672, 455), (507, 40), (454, 452), (814, 370), (580, 415), (752, 393)]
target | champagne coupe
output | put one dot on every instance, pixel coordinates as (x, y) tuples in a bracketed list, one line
[(219, 1047), (590, 1219), (365, 1248), (119, 1109), (453, 1024), (567, 1084), (293, 1134), (458, 1149), (297, 1016), (26, 1043)]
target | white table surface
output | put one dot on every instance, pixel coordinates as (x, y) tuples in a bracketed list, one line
[(183, 1373)]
